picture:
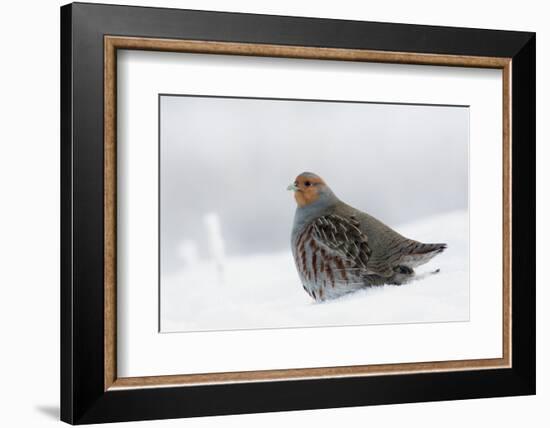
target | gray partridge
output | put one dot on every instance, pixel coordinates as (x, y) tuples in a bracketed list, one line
[(339, 249)]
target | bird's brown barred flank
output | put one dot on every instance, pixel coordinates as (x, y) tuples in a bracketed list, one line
[(338, 249)]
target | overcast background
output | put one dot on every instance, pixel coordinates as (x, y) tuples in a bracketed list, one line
[(234, 157)]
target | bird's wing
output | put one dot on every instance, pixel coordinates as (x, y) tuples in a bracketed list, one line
[(342, 236)]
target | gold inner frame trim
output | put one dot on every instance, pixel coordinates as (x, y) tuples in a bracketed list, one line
[(113, 43)]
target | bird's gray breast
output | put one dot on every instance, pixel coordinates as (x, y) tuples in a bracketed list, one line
[(324, 274), (305, 215)]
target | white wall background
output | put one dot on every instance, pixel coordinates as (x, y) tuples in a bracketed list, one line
[(29, 218)]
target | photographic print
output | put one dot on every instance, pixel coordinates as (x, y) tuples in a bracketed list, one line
[(287, 213), (298, 199)]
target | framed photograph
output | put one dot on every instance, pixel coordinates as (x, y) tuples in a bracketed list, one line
[(265, 213)]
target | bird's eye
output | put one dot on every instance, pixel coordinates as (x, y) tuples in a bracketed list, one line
[(307, 183)]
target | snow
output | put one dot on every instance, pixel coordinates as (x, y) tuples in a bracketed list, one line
[(264, 291)]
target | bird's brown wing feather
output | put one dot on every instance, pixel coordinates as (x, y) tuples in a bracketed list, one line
[(343, 237)]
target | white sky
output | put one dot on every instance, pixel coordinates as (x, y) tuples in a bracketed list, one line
[(235, 157)]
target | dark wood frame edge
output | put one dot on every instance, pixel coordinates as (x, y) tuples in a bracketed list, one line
[(83, 396)]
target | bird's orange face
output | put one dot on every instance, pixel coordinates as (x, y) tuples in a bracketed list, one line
[(306, 188)]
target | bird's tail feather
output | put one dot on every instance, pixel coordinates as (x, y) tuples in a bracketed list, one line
[(430, 248), (422, 253)]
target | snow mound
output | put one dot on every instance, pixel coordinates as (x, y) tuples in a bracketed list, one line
[(264, 291)]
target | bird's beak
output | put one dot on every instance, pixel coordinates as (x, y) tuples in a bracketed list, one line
[(292, 187)]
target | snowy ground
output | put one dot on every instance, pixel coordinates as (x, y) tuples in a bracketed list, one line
[(263, 291)]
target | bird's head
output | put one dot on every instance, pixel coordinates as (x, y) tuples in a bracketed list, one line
[(310, 188)]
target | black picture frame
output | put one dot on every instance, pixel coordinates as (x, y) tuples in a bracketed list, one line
[(83, 396)]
